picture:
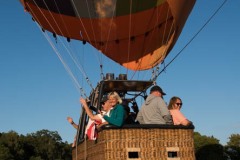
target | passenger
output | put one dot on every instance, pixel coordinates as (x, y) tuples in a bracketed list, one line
[(135, 110), (175, 104), (106, 107), (105, 110), (129, 119), (117, 114), (70, 120), (131, 116), (154, 110)]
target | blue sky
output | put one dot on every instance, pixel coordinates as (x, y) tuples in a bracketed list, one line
[(37, 93)]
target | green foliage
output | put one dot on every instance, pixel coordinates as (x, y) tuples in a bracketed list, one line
[(233, 147), (48, 145), (234, 140), (211, 152), (208, 148), (202, 140), (42, 145), (5, 153)]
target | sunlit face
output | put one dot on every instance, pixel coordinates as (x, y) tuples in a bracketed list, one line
[(106, 106), (113, 101), (178, 104), (157, 93)]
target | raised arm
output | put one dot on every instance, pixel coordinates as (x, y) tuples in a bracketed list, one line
[(88, 111), (70, 120)]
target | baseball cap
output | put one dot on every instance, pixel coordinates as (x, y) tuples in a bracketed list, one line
[(157, 88)]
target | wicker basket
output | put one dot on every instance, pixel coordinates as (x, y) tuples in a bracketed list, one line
[(139, 142)]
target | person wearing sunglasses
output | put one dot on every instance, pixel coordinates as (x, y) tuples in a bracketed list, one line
[(106, 107), (175, 104)]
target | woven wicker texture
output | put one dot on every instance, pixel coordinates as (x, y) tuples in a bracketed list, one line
[(138, 144)]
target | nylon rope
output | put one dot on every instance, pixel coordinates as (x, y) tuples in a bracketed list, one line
[(79, 66), (164, 52), (156, 23), (80, 19), (156, 70), (101, 57), (85, 147), (129, 33), (98, 57), (90, 21), (62, 18), (67, 68), (73, 58), (104, 49), (70, 47), (85, 31), (135, 71), (144, 50), (196, 34), (77, 85), (109, 31)]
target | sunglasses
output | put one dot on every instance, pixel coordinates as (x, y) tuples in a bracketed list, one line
[(179, 104)]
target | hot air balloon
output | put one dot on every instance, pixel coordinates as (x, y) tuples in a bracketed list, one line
[(138, 35)]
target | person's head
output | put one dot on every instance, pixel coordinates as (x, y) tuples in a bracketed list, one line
[(157, 91), (175, 103), (105, 104), (114, 98)]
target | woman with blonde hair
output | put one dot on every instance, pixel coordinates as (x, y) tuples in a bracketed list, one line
[(117, 114), (175, 104)]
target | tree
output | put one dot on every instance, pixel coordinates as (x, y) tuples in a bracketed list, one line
[(208, 148), (234, 140), (233, 147), (46, 143), (42, 145), (202, 140), (5, 153), (14, 143)]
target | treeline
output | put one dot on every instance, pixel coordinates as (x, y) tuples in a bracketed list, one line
[(42, 145), (209, 148), (48, 145)]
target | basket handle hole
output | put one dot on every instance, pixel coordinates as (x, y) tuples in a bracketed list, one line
[(172, 154), (133, 155)]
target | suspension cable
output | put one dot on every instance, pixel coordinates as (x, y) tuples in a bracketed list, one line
[(67, 68), (186, 45), (77, 13), (129, 32), (70, 54), (156, 72), (108, 36)]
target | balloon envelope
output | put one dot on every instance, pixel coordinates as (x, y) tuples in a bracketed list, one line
[(137, 34)]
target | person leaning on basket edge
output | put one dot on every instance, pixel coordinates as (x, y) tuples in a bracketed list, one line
[(154, 110), (175, 104)]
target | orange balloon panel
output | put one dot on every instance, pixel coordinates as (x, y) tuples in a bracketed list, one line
[(137, 34)]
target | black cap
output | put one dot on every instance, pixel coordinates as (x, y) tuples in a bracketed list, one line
[(157, 88), (104, 99)]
